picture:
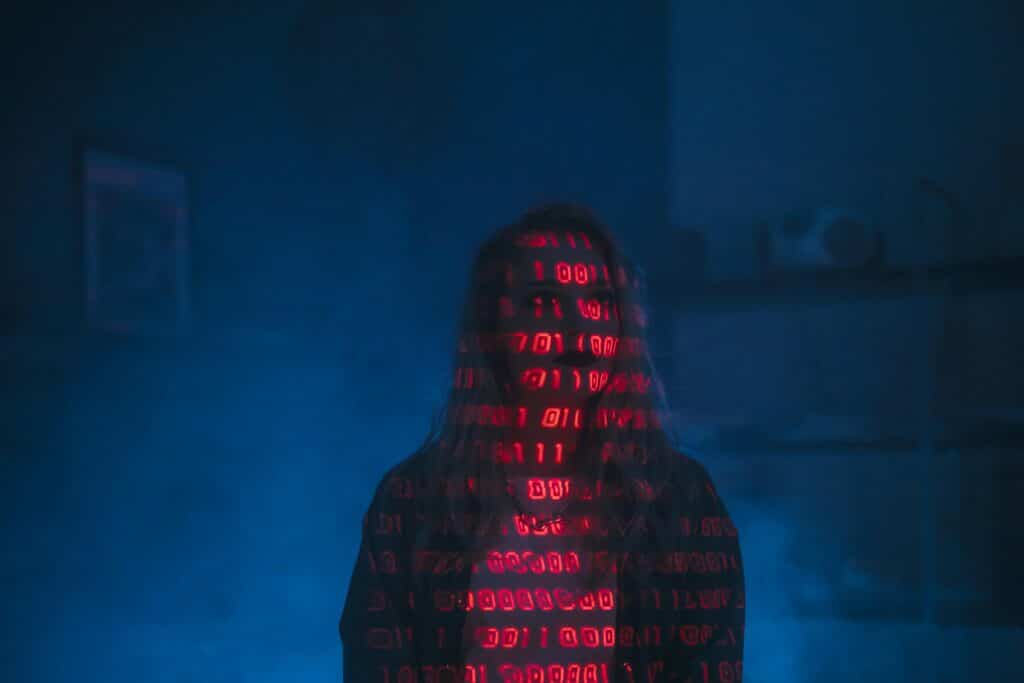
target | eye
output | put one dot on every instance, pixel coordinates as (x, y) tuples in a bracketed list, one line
[(541, 297)]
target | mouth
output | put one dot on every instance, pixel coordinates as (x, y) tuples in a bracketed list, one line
[(576, 359)]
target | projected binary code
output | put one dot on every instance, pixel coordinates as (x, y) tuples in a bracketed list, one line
[(548, 531)]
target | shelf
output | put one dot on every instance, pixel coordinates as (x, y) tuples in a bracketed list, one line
[(959, 432)]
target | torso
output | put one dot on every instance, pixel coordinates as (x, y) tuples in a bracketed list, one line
[(531, 618)]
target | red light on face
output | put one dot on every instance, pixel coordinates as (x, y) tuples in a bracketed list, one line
[(532, 240), (541, 343), (589, 308), (534, 378), (538, 378), (594, 380), (550, 418), (538, 239), (561, 418)]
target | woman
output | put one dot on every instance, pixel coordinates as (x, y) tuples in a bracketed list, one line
[(548, 529)]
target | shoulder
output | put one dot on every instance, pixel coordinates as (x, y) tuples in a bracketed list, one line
[(418, 466), (403, 480), (689, 478)]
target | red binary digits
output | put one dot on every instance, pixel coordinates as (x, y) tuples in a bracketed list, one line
[(538, 595)]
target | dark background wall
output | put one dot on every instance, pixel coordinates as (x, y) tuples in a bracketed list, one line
[(188, 508), (869, 432), (781, 108)]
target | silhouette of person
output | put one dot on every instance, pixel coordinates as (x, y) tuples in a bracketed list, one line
[(548, 529)]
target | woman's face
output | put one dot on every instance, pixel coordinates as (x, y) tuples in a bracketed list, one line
[(558, 321)]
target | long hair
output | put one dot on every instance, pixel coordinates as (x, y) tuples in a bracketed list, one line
[(627, 439)]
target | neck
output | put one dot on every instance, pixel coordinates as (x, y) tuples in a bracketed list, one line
[(546, 454), (550, 436)]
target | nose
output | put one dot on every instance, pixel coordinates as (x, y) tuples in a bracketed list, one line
[(571, 329)]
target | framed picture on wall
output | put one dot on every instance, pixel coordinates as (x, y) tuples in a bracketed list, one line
[(135, 245)]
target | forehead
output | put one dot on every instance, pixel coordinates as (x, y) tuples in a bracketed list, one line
[(551, 247), (571, 258)]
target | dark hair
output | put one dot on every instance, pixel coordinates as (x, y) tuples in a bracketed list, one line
[(630, 459)]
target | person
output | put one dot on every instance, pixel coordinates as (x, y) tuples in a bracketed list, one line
[(549, 529)]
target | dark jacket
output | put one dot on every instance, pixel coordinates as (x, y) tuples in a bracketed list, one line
[(680, 620)]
